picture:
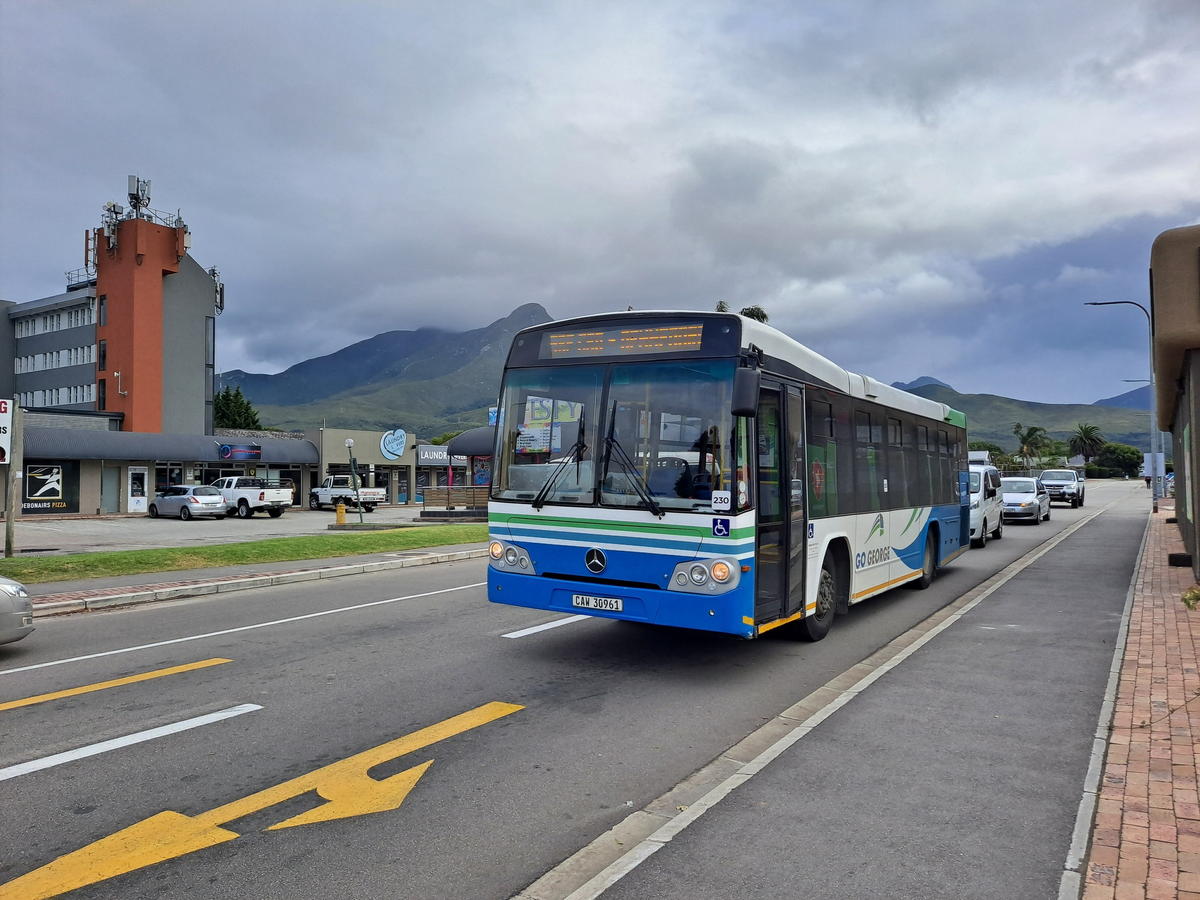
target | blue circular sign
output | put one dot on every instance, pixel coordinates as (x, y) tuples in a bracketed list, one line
[(392, 443)]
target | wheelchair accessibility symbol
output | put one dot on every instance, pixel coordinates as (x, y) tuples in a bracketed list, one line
[(720, 528)]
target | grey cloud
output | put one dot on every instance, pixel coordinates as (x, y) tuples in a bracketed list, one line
[(857, 167)]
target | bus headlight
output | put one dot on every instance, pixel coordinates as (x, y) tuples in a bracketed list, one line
[(708, 576), (506, 557)]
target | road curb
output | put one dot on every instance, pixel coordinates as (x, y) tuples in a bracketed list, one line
[(153, 593)]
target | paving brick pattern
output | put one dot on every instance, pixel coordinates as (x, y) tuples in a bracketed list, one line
[(1146, 836)]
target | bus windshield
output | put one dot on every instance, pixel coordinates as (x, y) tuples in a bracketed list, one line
[(662, 442), (667, 434), (549, 418)]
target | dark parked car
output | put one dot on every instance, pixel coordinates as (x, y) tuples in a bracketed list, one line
[(186, 501)]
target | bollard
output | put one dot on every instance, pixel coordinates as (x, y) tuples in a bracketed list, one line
[(341, 513)]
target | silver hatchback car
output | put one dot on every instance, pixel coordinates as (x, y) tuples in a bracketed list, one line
[(16, 611), (186, 501)]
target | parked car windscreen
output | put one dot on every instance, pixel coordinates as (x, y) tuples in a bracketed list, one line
[(206, 492), (1058, 475), (1018, 485)]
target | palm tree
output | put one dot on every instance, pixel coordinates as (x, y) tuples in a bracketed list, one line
[(1086, 441), (1029, 440)]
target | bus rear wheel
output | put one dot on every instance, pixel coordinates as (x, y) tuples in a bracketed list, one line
[(816, 626)]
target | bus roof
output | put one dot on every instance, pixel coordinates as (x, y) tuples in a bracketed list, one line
[(775, 343)]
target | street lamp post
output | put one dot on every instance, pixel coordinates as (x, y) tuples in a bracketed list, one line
[(354, 479), (1153, 397)]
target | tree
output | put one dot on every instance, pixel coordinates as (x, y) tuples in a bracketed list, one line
[(1120, 456), (757, 313), (1086, 441), (1054, 451), (231, 409), (445, 437), (1029, 440), (994, 449)]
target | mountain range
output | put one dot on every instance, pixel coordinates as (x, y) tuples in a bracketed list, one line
[(431, 381)]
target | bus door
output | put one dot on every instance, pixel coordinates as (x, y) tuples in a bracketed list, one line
[(770, 583), (797, 465)]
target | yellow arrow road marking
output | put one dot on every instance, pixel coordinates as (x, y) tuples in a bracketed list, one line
[(116, 682), (345, 785)]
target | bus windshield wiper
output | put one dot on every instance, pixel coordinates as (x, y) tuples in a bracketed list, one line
[(631, 470), (575, 454)]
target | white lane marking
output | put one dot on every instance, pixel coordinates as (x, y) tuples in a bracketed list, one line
[(211, 634), (652, 843), (536, 628), (151, 734)]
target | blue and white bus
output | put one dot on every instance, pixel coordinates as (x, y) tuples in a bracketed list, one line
[(704, 470)]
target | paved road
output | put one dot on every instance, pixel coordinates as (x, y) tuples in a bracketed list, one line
[(611, 715)]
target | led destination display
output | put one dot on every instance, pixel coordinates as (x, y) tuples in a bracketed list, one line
[(622, 341)]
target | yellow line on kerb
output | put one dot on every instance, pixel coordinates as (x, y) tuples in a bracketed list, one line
[(116, 682)]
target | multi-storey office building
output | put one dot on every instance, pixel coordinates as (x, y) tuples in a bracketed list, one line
[(129, 347), (133, 334)]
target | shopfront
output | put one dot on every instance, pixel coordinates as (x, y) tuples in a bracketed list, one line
[(83, 471), (385, 459)]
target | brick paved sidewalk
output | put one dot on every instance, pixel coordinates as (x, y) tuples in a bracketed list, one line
[(1146, 838)]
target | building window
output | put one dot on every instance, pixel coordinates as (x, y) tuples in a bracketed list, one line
[(102, 355), (101, 395), (103, 312)]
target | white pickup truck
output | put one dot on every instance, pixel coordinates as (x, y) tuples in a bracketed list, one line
[(246, 496), (340, 489)]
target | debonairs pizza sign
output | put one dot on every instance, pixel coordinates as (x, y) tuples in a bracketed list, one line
[(51, 488)]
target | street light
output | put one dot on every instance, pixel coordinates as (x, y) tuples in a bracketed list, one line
[(1153, 399), (354, 477)]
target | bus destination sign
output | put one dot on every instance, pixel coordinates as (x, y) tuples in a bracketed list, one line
[(622, 341)]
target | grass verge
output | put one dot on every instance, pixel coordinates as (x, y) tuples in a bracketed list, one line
[(38, 569)]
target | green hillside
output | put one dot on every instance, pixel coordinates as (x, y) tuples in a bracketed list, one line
[(991, 418)]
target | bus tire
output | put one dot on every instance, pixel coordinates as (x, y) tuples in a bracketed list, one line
[(816, 626), (928, 564)]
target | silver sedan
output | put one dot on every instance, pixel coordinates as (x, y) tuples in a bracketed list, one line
[(16, 611), (1025, 498), (186, 501)]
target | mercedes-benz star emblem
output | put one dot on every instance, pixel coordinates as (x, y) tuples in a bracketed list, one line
[(595, 561)]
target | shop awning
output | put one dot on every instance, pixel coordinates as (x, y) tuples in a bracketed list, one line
[(71, 443), (476, 442)]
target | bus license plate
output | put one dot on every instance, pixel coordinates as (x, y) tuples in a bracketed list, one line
[(608, 604)]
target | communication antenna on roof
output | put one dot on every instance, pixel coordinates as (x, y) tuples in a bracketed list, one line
[(219, 298), (139, 195)]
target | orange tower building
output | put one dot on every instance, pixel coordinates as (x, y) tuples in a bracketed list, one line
[(155, 321)]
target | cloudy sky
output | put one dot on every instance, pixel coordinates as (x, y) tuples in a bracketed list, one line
[(924, 188)]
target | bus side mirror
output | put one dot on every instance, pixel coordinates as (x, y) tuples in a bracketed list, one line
[(745, 392)]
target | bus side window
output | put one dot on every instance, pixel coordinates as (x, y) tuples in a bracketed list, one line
[(743, 494), (822, 459), (897, 495), (843, 429), (870, 467)]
